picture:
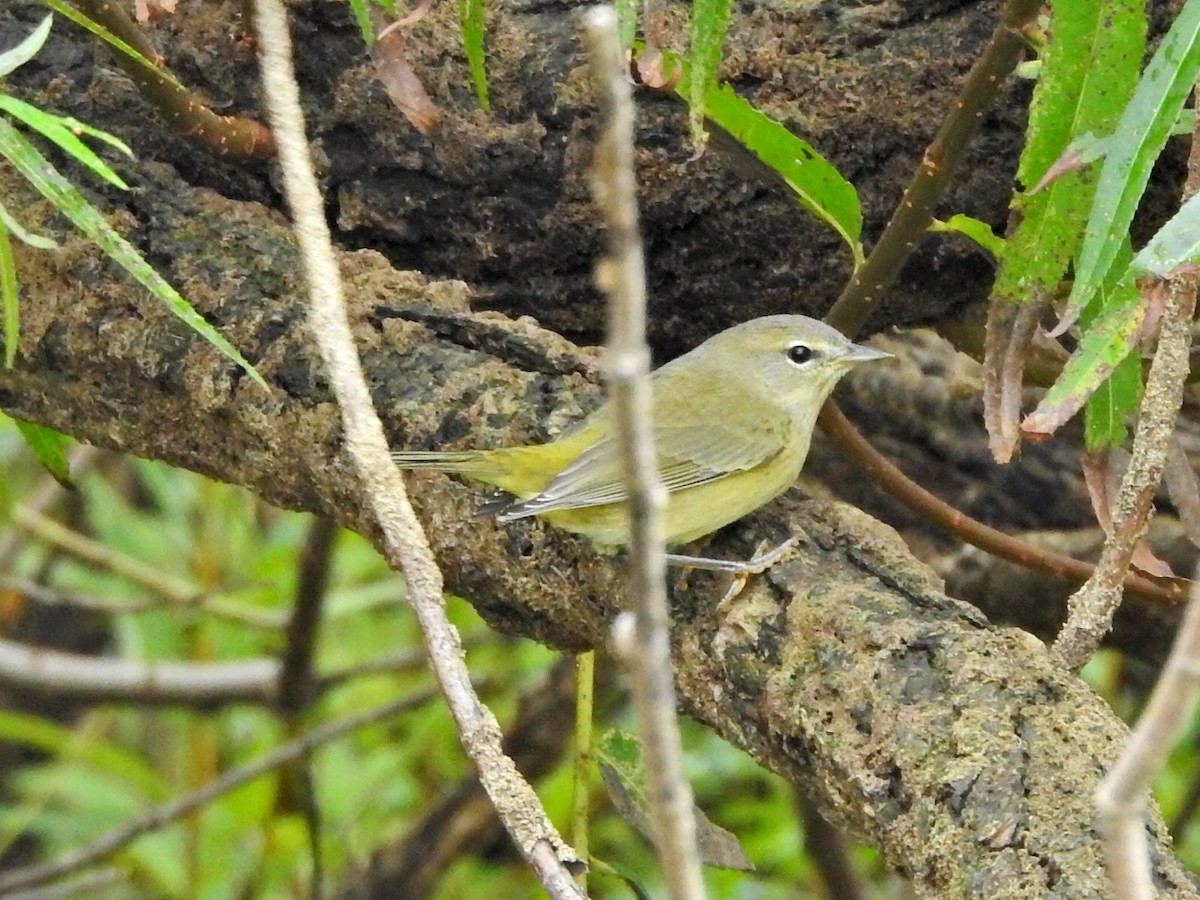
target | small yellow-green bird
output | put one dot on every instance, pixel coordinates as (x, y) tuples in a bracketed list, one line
[(733, 420)]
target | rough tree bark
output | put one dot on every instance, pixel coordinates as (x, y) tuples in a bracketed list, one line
[(953, 746)]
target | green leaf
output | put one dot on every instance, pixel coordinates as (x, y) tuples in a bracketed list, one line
[(53, 128), (10, 60), (1114, 401), (362, 16), (627, 20), (710, 21), (50, 447), (472, 15), (1142, 131), (39, 242), (1089, 71), (1104, 345), (9, 297), (54, 187), (818, 186), (105, 756), (1176, 244), (619, 756), (980, 232)]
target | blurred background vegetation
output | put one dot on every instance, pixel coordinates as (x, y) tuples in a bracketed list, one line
[(74, 771)]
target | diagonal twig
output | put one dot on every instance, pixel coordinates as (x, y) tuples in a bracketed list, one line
[(647, 652), (1091, 608), (381, 485)]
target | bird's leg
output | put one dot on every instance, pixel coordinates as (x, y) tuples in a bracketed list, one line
[(762, 560), (755, 566)]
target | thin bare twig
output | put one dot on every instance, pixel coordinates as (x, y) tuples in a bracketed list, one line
[(1121, 796), (42, 671), (155, 819), (381, 484), (1091, 608), (38, 670), (622, 276), (826, 847), (296, 679), (45, 595)]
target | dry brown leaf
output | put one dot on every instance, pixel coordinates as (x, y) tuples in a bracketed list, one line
[(1184, 490), (1096, 469), (404, 87), (650, 70), (151, 11), (1010, 331), (1102, 473)]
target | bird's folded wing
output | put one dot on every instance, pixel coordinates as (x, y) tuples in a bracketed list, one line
[(688, 456)]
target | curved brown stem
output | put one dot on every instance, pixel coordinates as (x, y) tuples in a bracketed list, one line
[(889, 477), (228, 136)]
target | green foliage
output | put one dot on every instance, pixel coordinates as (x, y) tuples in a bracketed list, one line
[(1078, 93), (1176, 244), (50, 447), (362, 16), (1117, 386), (1114, 401), (1145, 124), (710, 21), (472, 17), (37, 170), (979, 232), (67, 11), (1088, 73), (1111, 328), (816, 184), (627, 15)]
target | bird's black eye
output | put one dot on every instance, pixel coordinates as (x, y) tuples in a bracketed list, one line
[(800, 353)]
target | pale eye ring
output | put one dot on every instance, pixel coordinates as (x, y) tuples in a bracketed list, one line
[(800, 353)]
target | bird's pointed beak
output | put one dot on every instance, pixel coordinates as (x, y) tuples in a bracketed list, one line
[(857, 353)]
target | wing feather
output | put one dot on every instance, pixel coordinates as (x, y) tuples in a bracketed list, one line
[(688, 456)]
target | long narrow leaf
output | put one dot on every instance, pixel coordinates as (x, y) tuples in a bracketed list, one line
[(710, 21), (106, 756), (1176, 244), (10, 60), (1141, 133), (817, 184), (52, 128), (1114, 401), (22, 234), (69, 12), (1088, 73), (472, 15), (50, 447), (54, 187), (1101, 349)]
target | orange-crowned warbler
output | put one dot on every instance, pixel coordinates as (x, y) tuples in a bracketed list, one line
[(732, 424)]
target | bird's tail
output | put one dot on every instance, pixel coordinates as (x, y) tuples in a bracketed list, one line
[(465, 462)]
